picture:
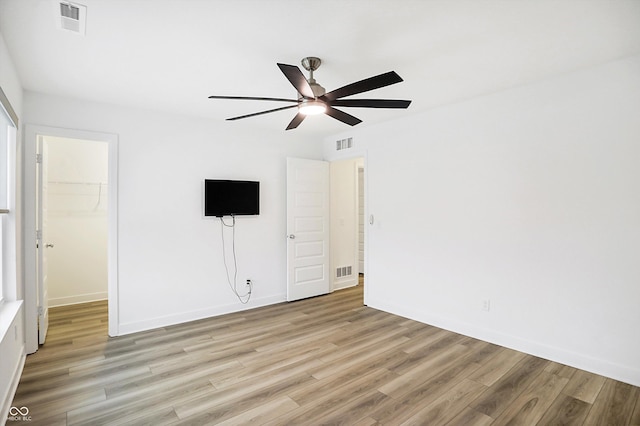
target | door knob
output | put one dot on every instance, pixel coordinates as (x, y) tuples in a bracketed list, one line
[(49, 245), (292, 237)]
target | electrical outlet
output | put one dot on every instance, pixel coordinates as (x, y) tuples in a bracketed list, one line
[(486, 305), (249, 281)]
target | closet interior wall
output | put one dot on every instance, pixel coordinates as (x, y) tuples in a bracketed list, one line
[(77, 220)]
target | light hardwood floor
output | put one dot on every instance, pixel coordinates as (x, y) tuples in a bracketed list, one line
[(325, 360)]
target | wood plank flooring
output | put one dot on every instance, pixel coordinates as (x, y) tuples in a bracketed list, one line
[(325, 360)]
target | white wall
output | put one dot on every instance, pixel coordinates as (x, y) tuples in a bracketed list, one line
[(529, 198), (9, 80), (12, 341), (77, 220), (169, 256)]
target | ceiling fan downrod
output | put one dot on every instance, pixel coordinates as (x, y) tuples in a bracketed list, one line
[(312, 63)]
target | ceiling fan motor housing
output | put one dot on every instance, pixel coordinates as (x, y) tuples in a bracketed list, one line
[(316, 88)]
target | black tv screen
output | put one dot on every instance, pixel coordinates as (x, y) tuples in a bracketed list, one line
[(231, 197)]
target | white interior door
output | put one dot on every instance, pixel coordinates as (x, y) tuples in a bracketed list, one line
[(307, 228), (42, 242)]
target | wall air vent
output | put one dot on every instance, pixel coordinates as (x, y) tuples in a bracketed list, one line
[(343, 271), (344, 144), (71, 17), (70, 11)]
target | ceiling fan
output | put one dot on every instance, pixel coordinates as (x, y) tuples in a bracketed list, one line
[(314, 99)]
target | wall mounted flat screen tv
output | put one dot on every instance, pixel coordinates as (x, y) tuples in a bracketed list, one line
[(231, 197)]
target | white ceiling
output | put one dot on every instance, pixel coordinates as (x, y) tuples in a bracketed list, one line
[(171, 54)]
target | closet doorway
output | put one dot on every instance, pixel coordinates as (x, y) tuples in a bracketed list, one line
[(76, 227), (76, 194)]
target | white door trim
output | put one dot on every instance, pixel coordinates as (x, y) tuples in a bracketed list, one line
[(29, 223)]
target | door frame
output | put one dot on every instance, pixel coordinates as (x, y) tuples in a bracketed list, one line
[(29, 177), (364, 216)]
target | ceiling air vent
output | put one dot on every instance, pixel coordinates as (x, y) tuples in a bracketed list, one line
[(72, 17), (344, 144)]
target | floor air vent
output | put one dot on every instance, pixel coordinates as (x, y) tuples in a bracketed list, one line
[(344, 144), (343, 271)]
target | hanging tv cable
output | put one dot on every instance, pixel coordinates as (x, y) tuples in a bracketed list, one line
[(243, 298)]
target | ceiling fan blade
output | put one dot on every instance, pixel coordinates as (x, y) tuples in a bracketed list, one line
[(251, 98), (260, 113), (297, 79), (365, 85), (296, 121), (371, 103), (342, 116)]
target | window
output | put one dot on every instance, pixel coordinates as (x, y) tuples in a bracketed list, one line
[(8, 130)]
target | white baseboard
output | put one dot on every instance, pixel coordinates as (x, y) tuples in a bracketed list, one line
[(134, 327), (605, 368), (80, 298), (342, 284)]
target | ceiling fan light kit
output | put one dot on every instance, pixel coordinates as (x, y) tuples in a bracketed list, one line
[(312, 107), (313, 99)]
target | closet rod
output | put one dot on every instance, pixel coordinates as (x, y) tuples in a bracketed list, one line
[(77, 183)]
